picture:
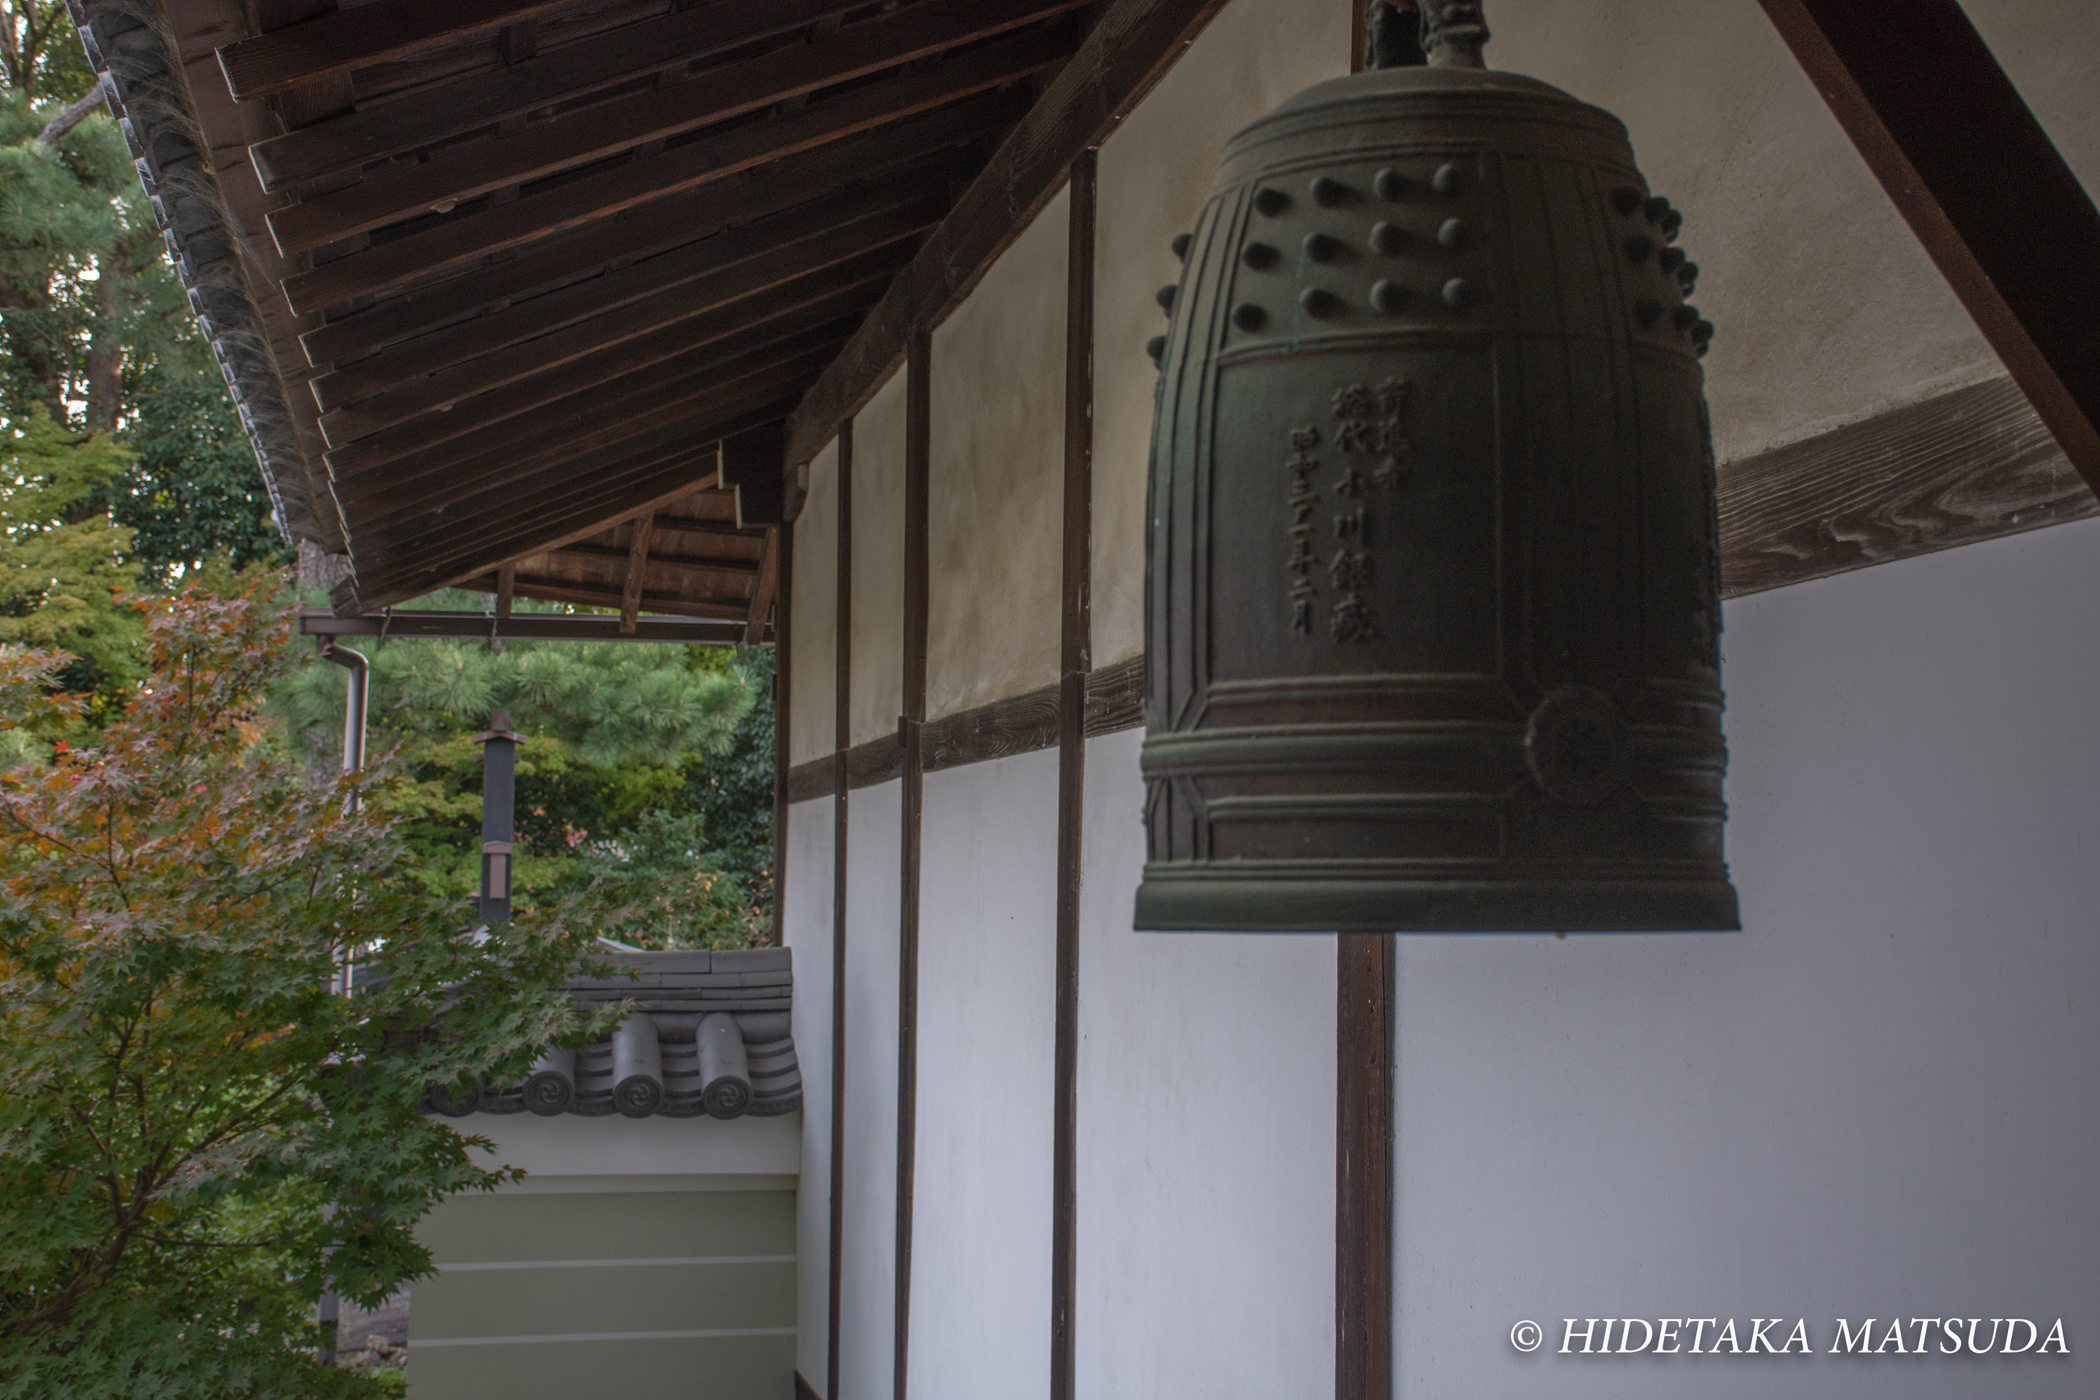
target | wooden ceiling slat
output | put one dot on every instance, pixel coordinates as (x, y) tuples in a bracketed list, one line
[(706, 529), (567, 424), (356, 38), (821, 300), (479, 99), (1128, 50), (666, 223), (551, 508), (448, 246), (652, 114), (743, 568), (406, 501), (442, 368)]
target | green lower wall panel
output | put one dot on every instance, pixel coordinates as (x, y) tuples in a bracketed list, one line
[(686, 1368)]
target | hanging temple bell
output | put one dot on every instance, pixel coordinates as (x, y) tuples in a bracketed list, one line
[(1433, 574)]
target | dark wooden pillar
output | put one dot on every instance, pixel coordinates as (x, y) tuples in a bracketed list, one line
[(1979, 182), (1363, 1167), (910, 726), (842, 740), (1075, 660), (781, 546)]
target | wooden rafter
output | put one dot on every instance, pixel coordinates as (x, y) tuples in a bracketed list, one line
[(472, 100), (570, 324), (539, 513), (1128, 50), (1978, 180), (336, 43), (665, 223), (673, 563), (467, 235), (573, 397), (609, 128), (644, 410)]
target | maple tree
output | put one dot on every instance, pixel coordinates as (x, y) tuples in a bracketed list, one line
[(197, 1134)]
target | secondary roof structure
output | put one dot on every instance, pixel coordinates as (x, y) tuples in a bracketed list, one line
[(521, 294)]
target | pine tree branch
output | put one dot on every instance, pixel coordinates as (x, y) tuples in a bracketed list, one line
[(54, 131)]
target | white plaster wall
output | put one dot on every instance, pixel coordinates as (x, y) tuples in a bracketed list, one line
[(878, 564), (867, 1326), (806, 928), (1206, 1139), (1154, 173), (813, 615), (996, 472), (1877, 1099), (987, 1020)]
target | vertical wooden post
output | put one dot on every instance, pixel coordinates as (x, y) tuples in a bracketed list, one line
[(842, 740), (1363, 1166), (637, 565), (782, 548), (917, 427), (1075, 659)]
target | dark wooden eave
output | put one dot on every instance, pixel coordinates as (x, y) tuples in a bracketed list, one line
[(527, 264)]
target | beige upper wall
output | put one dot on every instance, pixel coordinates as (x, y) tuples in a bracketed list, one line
[(877, 679), (996, 473), (1154, 174), (1827, 308), (813, 615)]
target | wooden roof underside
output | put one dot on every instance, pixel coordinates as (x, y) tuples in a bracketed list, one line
[(525, 263)]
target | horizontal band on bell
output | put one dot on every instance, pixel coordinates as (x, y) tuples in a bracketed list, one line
[(1219, 903)]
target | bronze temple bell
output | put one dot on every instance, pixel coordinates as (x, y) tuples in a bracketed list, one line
[(1433, 585)]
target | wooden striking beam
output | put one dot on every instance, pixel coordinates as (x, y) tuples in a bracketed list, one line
[(837, 768), (466, 236), (1075, 661), (917, 459), (637, 558), (506, 589), (597, 132), (439, 478), (1128, 50), (343, 41), (1363, 1166), (462, 104), (1978, 180), (778, 313), (667, 223), (1972, 464)]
